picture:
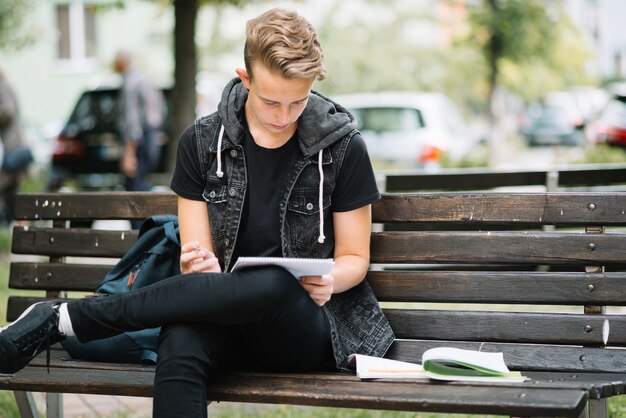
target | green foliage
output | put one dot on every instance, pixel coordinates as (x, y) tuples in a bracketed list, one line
[(13, 32), (8, 407), (604, 154), (527, 49), (517, 30)]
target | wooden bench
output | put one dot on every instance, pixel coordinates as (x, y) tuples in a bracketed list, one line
[(536, 276)]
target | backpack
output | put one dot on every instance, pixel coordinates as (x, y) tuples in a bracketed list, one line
[(153, 257)]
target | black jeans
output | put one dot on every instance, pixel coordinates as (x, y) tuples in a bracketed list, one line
[(259, 319)]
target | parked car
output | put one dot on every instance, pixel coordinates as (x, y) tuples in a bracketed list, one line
[(88, 148), (410, 129), (554, 121), (610, 127)]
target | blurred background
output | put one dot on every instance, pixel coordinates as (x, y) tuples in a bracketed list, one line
[(434, 83)]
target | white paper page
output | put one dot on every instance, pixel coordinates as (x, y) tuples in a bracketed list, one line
[(368, 367)]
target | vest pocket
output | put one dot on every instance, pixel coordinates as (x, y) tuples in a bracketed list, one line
[(303, 223)]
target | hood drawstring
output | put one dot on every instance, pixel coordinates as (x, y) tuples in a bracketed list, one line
[(321, 198), (219, 171)]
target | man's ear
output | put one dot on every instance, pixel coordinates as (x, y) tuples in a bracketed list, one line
[(244, 76)]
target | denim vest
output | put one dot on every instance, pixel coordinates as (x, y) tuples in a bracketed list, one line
[(357, 322)]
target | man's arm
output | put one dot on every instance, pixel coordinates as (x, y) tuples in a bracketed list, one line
[(352, 231), (195, 236)]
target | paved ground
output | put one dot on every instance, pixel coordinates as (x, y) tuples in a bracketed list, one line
[(101, 406), (87, 406)]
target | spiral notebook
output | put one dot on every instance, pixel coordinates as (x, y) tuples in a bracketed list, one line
[(297, 266)]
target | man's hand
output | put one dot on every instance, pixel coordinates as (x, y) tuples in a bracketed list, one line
[(195, 259), (319, 288), (128, 163)]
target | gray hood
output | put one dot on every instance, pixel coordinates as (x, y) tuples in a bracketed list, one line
[(322, 122)]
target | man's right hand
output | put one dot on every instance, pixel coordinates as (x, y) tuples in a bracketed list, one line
[(195, 259), (128, 163)]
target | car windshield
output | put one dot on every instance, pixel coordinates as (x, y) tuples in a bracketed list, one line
[(385, 119), (95, 111)]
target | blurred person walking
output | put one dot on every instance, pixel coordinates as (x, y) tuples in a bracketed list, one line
[(15, 155), (140, 118)]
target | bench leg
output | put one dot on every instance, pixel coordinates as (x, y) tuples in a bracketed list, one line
[(598, 408), (54, 405), (26, 404)]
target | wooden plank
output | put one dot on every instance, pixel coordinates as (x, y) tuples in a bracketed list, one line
[(565, 288), (93, 205), (388, 247), (479, 326), (539, 328), (520, 208), (77, 242), (319, 390), (480, 178), (532, 357), (56, 276), (497, 208), (497, 247)]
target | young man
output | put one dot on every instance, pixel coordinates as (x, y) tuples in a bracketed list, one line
[(278, 170)]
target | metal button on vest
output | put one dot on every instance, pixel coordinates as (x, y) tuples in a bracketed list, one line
[(233, 153), (232, 192), (212, 194), (309, 206), (227, 242)]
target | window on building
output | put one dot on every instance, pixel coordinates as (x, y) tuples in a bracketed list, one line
[(76, 29)]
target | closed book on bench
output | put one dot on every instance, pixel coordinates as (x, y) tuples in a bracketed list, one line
[(297, 266)]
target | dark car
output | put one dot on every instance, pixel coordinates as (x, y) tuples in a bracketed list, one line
[(88, 148), (555, 121), (610, 128)]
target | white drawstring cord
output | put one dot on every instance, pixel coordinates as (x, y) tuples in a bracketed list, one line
[(219, 171), (321, 198)]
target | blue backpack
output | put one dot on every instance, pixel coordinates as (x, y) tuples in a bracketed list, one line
[(153, 257)]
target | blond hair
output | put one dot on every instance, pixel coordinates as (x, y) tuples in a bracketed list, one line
[(285, 42)]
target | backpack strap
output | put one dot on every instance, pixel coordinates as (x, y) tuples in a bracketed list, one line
[(171, 231), (156, 220)]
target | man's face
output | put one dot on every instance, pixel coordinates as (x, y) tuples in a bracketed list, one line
[(274, 102)]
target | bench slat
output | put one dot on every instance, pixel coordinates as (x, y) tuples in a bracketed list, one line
[(93, 205), (536, 357), (520, 208), (541, 328), (473, 325), (71, 242), (499, 287), (497, 247), (387, 247), (479, 178), (56, 276), (318, 390), (394, 286)]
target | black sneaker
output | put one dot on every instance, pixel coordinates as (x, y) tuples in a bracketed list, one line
[(34, 331)]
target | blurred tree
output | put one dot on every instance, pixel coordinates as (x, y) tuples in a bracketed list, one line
[(527, 49), (183, 104), (13, 34)]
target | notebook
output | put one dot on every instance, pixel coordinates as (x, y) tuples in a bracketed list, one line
[(297, 266)]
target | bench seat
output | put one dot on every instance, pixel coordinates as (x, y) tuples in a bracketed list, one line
[(540, 277)]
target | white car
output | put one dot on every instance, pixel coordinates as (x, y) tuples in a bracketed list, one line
[(410, 129)]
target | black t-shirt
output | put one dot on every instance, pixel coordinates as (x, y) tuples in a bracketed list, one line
[(259, 231)]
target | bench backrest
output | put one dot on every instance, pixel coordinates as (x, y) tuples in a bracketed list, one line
[(538, 276)]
